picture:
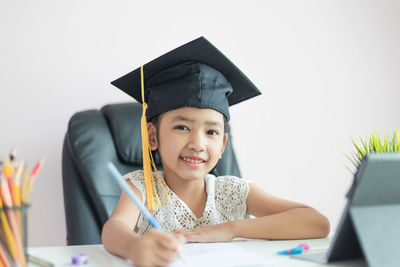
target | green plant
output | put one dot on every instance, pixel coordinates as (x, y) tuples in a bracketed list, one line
[(373, 144)]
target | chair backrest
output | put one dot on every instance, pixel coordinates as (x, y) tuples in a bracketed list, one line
[(93, 138)]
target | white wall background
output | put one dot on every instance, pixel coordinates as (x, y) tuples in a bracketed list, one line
[(328, 70)]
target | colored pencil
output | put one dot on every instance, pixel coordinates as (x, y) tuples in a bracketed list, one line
[(3, 257), (16, 184), (9, 238), (35, 171), (12, 219)]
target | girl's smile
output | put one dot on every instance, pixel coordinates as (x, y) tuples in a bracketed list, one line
[(193, 161)]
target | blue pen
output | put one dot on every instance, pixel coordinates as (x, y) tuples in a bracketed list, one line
[(124, 185), (293, 251), (297, 250)]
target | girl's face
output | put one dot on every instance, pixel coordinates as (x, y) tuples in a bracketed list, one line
[(190, 142)]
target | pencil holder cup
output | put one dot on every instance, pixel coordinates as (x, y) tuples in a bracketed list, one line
[(14, 234), (23, 210)]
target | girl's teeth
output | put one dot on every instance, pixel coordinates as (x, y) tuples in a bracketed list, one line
[(192, 160)]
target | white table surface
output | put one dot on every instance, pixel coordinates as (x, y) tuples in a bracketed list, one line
[(61, 256)]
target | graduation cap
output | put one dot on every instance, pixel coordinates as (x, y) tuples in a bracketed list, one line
[(195, 74)]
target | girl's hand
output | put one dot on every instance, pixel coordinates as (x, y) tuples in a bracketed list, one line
[(156, 248), (215, 233)]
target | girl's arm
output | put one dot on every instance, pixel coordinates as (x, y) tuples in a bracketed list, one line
[(154, 248), (279, 219), (276, 218)]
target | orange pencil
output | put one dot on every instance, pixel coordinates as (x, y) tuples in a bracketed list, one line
[(6, 197), (16, 189), (17, 184), (11, 162), (9, 238), (8, 172), (3, 258)]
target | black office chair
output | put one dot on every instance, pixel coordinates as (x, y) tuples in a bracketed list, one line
[(95, 137)]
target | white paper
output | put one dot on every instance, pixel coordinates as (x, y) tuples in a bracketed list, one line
[(219, 255)]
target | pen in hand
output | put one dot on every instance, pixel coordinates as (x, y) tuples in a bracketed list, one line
[(124, 185)]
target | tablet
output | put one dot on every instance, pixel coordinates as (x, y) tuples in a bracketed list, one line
[(370, 221)]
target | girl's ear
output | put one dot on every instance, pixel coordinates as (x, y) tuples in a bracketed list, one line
[(226, 136), (152, 136)]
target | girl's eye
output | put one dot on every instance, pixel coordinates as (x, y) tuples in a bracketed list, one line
[(212, 132), (181, 127)]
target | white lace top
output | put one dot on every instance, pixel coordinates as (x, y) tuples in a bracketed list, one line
[(226, 201)]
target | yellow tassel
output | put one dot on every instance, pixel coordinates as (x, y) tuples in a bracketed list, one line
[(152, 198)]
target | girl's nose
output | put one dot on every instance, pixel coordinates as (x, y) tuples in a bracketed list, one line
[(197, 142)]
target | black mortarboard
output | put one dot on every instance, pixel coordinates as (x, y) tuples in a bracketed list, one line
[(195, 74)]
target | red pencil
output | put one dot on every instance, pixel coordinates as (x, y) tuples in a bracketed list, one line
[(26, 194)]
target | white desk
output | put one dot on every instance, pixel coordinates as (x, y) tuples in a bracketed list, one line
[(260, 249)]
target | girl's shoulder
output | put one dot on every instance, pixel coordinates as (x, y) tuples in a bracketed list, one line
[(227, 179), (230, 195), (137, 179), (135, 175), (228, 183)]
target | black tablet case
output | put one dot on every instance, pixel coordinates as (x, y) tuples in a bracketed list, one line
[(370, 223)]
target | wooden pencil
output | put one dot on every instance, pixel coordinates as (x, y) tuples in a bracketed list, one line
[(9, 238), (3, 257), (12, 219)]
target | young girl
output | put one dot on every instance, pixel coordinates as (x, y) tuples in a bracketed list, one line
[(188, 92)]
